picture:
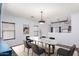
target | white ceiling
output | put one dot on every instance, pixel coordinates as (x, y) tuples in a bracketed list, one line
[(51, 11)]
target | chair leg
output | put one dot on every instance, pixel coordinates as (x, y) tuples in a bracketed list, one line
[(42, 44), (45, 54), (32, 52), (24, 48), (57, 54), (28, 52)]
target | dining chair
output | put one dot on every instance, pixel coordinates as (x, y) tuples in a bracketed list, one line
[(27, 45), (65, 52), (37, 50)]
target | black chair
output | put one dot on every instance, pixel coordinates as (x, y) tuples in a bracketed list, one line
[(65, 52), (37, 50), (28, 39), (27, 45), (43, 36), (52, 38)]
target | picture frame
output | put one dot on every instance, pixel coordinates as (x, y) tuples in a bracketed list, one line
[(25, 29)]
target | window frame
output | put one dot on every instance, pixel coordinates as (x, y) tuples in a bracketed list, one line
[(8, 30)]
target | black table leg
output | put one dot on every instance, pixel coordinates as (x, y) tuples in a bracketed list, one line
[(49, 50), (53, 48)]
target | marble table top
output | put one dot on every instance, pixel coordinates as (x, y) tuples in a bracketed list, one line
[(44, 40)]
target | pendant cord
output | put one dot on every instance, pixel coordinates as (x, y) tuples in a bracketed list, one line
[(41, 15)]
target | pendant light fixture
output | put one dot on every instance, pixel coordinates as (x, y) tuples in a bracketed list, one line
[(41, 21)]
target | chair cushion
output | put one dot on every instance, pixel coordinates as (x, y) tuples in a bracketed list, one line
[(63, 52)]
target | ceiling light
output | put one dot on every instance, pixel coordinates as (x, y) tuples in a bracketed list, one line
[(41, 21)]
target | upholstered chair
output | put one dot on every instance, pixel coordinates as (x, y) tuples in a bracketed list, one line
[(64, 52)]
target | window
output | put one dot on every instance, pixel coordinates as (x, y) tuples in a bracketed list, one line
[(51, 29), (59, 29), (36, 30), (8, 30)]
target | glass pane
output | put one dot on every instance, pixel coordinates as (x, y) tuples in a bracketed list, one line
[(35, 33), (7, 26), (8, 35), (56, 30)]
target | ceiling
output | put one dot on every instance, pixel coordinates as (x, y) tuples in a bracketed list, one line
[(51, 11)]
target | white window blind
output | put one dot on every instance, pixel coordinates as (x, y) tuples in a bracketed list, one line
[(8, 30)]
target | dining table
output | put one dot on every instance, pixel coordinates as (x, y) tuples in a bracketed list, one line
[(46, 41)]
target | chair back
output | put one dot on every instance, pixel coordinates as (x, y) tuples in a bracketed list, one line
[(27, 37), (72, 49), (27, 44), (35, 48)]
